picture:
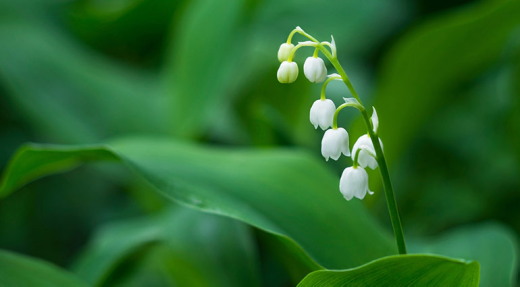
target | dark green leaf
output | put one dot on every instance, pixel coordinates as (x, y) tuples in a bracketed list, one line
[(202, 250), (21, 271)]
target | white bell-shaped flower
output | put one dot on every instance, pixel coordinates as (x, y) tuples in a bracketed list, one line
[(322, 113), (334, 143), (284, 51), (288, 72), (354, 183), (315, 70), (367, 153)]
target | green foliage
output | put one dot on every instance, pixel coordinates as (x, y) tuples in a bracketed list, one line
[(21, 271), (403, 270), (138, 82), (197, 249), (484, 244), (252, 186), (188, 174)]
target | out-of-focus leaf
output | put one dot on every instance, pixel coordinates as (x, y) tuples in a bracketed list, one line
[(203, 61), (424, 68), (283, 192), (21, 271), (31, 163), (133, 30), (203, 249), (68, 93), (492, 245), (402, 270)]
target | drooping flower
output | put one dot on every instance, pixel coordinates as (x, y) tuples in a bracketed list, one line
[(288, 72), (354, 183), (322, 113), (284, 51), (315, 70), (334, 143), (367, 153)]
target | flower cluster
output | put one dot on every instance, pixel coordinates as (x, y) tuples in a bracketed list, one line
[(323, 113)]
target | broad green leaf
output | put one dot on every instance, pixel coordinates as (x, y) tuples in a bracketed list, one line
[(401, 270), (202, 250), (284, 192), (491, 244), (22, 271)]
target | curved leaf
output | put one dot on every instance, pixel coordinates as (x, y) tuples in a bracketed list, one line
[(18, 270), (284, 192), (199, 245), (401, 270), (491, 244)]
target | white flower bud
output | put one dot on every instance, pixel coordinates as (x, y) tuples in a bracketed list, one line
[(284, 51), (375, 120), (322, 113), (334, 143), (288, 72), (315, 70), (366, 153), (354, 183)]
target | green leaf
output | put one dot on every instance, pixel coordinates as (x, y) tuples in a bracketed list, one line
[(203, 249), (425, 68), (203, 58), (34, 161), (284, 192), (56, 84), (401, 270), (22, 271), (491, 244)]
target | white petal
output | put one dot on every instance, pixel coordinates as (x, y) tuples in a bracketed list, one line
[(375, 120), (333, 46), (284, 51), (313, 115), (366, 154), (344, 184), (333, 142), (322, 113), (287, 72), (315, 70), (353, 183)]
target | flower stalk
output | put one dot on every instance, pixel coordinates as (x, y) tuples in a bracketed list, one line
[(353, 174)]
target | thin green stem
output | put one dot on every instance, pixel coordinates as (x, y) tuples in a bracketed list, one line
[(389, 192), (341, 107), (324, 86)]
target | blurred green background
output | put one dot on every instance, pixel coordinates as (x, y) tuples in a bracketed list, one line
[(444, 76)]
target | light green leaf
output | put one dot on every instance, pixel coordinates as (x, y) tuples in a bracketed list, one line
[(491, 244), (203, 249), (401, 270), (22, 271), (284, 192)]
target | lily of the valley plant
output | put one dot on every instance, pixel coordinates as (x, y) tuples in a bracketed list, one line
[(367, 151)]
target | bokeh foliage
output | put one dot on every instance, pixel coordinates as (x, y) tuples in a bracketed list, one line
[(443, 77)]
